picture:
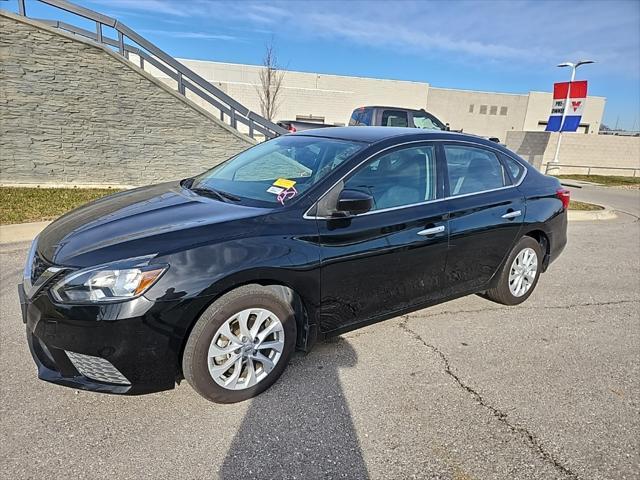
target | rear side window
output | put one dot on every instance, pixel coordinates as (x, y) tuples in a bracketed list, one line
[(473, 170), (515, 169), (394, 118), (360, 117)]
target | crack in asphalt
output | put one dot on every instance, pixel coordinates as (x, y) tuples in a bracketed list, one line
[(528, 437), (360, 333), (636, 217), (537, 307)]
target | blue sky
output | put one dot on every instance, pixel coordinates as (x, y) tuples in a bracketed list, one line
[(504, 46)]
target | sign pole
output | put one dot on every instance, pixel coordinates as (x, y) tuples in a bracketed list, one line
[(556, 158)]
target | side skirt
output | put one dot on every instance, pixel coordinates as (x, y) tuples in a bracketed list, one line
[(397, 313)]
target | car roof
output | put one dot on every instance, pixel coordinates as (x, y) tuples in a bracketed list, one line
[(376, 134)]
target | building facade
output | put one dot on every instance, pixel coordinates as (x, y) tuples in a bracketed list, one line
[(331, 99)]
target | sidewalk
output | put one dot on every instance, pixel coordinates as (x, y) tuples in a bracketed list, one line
[(21, 232)]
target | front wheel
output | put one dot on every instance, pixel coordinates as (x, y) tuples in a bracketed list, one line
[(240, 345), (520, 274)]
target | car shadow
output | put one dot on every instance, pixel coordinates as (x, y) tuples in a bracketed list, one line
[(301, 427)]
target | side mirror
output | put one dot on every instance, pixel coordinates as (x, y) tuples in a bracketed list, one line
[(447, 127), (354, 202)]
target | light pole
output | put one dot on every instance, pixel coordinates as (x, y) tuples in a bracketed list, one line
[(574, 67)]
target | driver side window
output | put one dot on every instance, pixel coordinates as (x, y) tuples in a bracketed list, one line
[(399, 178)]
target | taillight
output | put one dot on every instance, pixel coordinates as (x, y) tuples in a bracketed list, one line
[(565, 196), (292, 129)]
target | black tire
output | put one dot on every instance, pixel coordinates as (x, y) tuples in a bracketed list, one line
[(501, 293), (194, 359)]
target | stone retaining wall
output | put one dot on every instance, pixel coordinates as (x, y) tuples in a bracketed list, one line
[(73, 112)]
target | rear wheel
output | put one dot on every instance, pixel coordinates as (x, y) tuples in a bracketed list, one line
[(240, 345), (520, 274)]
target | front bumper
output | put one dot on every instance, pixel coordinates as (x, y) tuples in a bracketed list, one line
[(125, 348)]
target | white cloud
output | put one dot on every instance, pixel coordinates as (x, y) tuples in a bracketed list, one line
[(182, 34), (519, 32), (151, 6), (525, 33)]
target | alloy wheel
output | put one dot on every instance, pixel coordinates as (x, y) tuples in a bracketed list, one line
[(523, 272), (245, 349)]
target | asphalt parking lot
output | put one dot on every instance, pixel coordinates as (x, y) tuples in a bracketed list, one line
[(464, 390)]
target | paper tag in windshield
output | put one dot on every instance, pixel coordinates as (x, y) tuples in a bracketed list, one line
[(284, 183), (275, 190)]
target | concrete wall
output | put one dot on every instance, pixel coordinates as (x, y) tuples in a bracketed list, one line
[(481, 113), (334, 97), (74, 113), (531, 146), (579, 150)]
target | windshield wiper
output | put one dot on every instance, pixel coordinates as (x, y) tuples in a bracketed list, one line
[(228, 196), (209, 191), (217, 194)]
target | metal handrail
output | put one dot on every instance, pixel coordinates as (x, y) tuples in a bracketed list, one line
[(186, 79), (552, 165)]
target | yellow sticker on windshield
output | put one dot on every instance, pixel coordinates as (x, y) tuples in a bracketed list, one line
[(284, 183)]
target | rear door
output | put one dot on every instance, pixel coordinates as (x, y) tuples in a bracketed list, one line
[(486, 215)]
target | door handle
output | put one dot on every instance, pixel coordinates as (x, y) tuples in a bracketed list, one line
[(514, 214), (431, 231)]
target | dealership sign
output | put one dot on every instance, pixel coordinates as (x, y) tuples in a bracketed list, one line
[(568, 103)]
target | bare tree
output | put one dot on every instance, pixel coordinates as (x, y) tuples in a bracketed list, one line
[(270, 88)]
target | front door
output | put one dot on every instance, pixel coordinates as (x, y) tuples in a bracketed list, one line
[(486, 216), (393, 256)]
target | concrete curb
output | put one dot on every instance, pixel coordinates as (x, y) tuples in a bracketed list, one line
[(578, 183), (588, 216), (21, 232), (70, 186)]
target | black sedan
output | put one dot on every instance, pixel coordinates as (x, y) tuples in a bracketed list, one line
[(217, 279)]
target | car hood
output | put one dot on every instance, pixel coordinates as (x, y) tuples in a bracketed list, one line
[(145, 221)]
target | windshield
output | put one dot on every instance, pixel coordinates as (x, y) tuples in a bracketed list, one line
[(427, 122), (275, 172)]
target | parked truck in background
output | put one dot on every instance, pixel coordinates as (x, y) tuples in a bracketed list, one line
[(372, 116), (395, 117), (399, 117)]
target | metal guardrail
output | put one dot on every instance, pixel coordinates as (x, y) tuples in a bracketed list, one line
[(552, 165), (620, 133), (231, 111)]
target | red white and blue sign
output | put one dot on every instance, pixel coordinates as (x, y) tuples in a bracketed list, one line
[(568, 104)]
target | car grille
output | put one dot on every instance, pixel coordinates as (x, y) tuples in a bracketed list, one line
[(38, 266), (97, 368)]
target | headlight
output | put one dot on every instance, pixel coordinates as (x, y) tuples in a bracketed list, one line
[(107, 283)]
